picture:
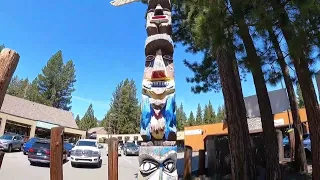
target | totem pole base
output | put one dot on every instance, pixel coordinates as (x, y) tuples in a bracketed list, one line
[(158, 163)]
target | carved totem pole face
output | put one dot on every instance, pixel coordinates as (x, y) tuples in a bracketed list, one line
[(158, 103), (158, 163)]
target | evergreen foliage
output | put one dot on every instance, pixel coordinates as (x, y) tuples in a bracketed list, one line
[(199, 119), (191, 119), (124, 113), (181, 118), (88, 121)]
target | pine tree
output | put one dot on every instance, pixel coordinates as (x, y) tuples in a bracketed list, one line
[(299, 97), (2, 47), (206, 115), (18, 87), (199, 119), (212, 114), (124, 113), (88, 121), (181, 118), (78, 121), (32, 93), (191, 120), (220, 114), (56, 82)]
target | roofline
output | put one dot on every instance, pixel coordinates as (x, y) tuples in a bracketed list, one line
[(35, 120)]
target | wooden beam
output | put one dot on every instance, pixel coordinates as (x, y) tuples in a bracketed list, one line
[(8, 63), (280, 145), (187, 163), (113, 159), (56, 153), (202, 162)]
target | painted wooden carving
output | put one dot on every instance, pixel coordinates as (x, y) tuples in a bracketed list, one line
[(158, 152)]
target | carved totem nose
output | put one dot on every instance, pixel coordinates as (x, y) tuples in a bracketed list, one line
[(159, 68), (158, 11)]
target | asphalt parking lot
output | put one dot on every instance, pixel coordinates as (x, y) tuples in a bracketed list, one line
[(16, 166)]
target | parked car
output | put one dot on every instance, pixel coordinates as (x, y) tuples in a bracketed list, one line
[(86, 152), (119, 150), (9, 142), (285, 141), (68, 147), (130, 148), (27, 145), (40, 152), (307, 145)]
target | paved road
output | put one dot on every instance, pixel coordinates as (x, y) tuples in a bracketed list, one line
[(17, 167)]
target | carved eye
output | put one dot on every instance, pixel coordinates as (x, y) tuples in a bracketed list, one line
[(150, 58), (169, 166), (148, 167), (166, 9), (167, 57)]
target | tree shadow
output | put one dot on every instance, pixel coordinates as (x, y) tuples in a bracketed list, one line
[(180, 164)]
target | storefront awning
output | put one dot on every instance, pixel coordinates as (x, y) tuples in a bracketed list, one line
[(45, 125)]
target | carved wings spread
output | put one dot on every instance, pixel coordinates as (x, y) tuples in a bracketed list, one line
[(122, 2)]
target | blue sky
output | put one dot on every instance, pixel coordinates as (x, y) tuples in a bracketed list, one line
[(106, 44)]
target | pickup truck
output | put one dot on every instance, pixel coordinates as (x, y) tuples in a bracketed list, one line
[(86, 152)]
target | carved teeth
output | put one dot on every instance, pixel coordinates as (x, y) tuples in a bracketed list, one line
[(160, 84)]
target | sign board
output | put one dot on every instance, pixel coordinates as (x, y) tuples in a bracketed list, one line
[(45, 125), (193, 132), (278, 99), (278, 122), (255, 123)]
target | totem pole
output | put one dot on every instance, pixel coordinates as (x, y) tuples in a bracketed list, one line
[(158, 151)]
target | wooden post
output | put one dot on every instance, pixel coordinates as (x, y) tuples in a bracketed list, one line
[(211, 153), (280, 145), (56, 153), (292, 144), (1, 158), (8, 62), (187, 163), (113, 159), (202, 162)]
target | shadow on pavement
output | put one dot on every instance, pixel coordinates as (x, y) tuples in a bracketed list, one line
[(194, 164)]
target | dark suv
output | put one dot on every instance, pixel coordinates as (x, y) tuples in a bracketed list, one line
[(40, 152)]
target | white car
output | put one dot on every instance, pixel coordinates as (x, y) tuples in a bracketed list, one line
[(86, 152)]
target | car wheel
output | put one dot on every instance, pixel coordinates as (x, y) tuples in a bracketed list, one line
[(10, 148), (73, 164), (99, 164), (32, 163), (125, 153), (20, 148), (24, 153)]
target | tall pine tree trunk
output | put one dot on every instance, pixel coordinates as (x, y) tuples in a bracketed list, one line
[(300, 155), (307, 88), (242, 162), (270, 140)]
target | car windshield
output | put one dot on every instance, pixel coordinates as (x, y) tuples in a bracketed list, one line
[(32, 140), (305, 136), (86, 143), (6, 137), (131, 145), (39, 145), (68, 145)]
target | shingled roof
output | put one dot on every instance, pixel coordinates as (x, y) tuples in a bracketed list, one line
[(27, 109)]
